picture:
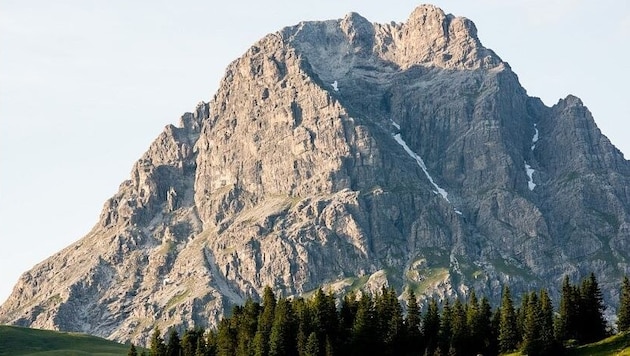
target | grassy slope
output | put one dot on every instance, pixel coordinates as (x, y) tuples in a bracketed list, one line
[(614, 345), (24, 341), (618, 345)]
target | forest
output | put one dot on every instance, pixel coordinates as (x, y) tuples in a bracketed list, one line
[(379, 324)]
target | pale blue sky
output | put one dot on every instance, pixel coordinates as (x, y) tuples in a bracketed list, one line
[(86, 85)]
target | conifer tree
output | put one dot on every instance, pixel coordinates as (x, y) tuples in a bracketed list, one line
[(211, 343), (312, 345), (132, 351), (446, 330), (531, 326), (591, 320), (189, 341), (325, 321), (282, 337), (485, 334), (395, 330), (508, 336), (459, 341), (201, 349), (521, 314), (303, 316), (496, 322), (260, 344), (225, 339), (364, 329), (547, 339), (173, 348), (472, 322), (431, 326), (412, 324), (566, 322), (157, 346), (623, 314)]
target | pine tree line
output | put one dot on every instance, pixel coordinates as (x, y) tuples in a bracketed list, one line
[(375, 324)]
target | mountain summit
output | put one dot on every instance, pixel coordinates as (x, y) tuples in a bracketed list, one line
[(348, 155)]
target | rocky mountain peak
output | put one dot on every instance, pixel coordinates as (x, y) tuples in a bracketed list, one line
[(349, 155), (431, 37)]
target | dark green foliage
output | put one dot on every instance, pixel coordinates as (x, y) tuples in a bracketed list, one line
[(508, 329), (459, 328), (282, 337), (446, 329), (132, 351), (363, 335), (375, 324), (581, 312), (591, 317), (174, 347), (431, 327), (565, 325), (265, 322), (531, 327), (226, 339), (623, 313), (211, 343), (312, 345), (413, 324), (389, 322), (485, 339), (157, 346)]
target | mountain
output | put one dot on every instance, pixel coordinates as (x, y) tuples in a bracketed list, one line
[(348, 155)]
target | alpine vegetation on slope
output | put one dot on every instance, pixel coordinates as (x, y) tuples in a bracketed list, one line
[(294, 176)]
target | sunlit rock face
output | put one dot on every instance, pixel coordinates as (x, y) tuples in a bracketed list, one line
[(346, 155)]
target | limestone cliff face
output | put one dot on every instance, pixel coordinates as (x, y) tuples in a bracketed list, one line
[(348, 155)]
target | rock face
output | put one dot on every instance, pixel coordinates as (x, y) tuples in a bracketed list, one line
[(348, 155)]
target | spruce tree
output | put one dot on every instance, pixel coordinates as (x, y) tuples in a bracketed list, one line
[(157, 346), (431, 326), (201, 349), (472, 322), (190, 340), (592, 323), (412, 322), (623, 313), (260, 343), (484, 329), (395, 332), (364, 328), (312, 345), (459, 325), (282, 337), (446, 330), (566, 322), (132, 351), (325, 319), (225, 339), (173, 348), (508, 336), (211, 343), (531, 328), (548, 343)]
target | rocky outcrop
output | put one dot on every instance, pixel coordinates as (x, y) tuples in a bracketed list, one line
[(348, 155)]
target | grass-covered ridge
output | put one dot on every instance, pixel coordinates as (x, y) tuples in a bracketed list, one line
[(615, 345), (24, 341)]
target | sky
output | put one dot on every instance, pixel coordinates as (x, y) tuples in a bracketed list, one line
[(86, 85)]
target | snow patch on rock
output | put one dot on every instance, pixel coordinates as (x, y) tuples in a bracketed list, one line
[(530, 176), (420, 162)]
